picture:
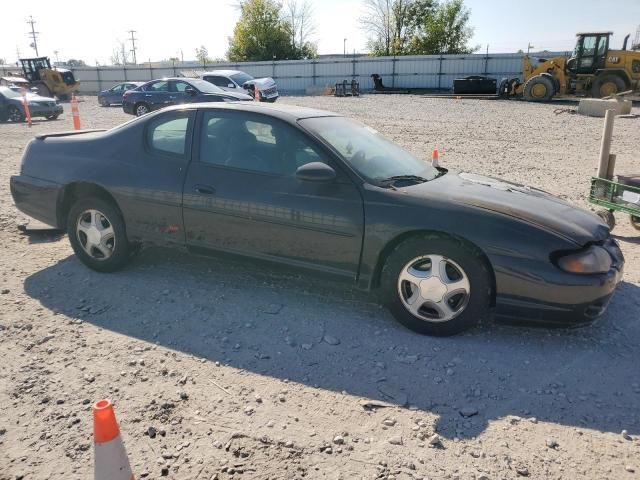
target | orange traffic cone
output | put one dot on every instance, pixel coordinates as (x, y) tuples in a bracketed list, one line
[(258, 96), (435, 157), (25, 104), (75, 113), (111, 461)]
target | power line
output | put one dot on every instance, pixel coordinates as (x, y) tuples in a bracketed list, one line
[(133, 46), (33, 34)]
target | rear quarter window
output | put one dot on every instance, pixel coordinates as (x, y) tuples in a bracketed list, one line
[(168, 135)]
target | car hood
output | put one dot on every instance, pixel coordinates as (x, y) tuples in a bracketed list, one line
[(528, 204), (263, 83), (32, 97)]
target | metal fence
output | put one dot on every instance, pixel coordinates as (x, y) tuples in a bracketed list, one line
[(296, 76)]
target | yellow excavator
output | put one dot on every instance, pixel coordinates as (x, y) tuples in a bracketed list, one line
[(49, 81), (593, 69)]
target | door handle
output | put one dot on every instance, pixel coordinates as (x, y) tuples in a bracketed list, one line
[(205, 189), (148, 95)]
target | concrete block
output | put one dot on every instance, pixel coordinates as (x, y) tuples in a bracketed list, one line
[(596, 107)]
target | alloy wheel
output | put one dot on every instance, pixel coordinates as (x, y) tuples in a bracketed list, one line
[(95, 234), (434, 288), (141, 110)]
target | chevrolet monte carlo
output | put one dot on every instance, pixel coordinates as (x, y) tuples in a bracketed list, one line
[(443, 249)]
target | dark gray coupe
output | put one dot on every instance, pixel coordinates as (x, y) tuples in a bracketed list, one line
[(312, 189)]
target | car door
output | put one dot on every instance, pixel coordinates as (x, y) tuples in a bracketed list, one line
[(115, 94), (150, 195), (156, 94), (241, 195), (177, 92)]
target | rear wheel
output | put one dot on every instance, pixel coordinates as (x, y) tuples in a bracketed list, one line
[(97, 234), (141, 109), (15, 114), (607, 85), (436, 285), (635, 221), (539, 89)]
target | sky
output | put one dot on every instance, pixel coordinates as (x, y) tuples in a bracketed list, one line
[(90, 30)]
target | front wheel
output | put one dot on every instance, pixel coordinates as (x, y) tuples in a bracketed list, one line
[(52, 117), (635, 221), (436, 285), (15, 114), (97, 234), (539, 89)]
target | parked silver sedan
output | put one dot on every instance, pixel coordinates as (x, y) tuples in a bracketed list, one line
[(236, 80)]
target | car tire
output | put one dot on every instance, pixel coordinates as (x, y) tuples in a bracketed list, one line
[(52, 117), (140, 109), (607, 85), (15, 114), (104, 103), (462, 282), (98, 235), (635, 221), (539, 89)]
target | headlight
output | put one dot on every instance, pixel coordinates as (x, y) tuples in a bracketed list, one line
[(594, 259)]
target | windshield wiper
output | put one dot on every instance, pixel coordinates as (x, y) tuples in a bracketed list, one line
[(400, 178)]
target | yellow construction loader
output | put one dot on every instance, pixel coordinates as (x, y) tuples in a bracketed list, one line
[(593, 69), (47, 80)]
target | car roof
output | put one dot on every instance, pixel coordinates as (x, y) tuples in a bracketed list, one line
[(284, 112), (223, 72)]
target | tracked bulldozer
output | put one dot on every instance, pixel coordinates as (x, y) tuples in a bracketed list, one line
[(49, 81), (592, 70)]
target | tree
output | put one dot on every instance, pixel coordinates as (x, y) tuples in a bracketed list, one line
[(299, 15), (76, 63), (445, 31), (410, 27), (261, 33), (202, 54), (119, 55)]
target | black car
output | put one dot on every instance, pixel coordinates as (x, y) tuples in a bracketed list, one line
[(173, 91), (12, 106), (312, 189)]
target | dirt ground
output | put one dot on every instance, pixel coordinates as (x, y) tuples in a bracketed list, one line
[(221, 369)]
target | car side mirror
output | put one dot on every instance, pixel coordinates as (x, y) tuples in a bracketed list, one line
[(316, 172), (190, 91), (231, 85)]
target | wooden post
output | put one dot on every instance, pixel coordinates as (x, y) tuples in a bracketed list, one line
[(605, 146), (611, 168)]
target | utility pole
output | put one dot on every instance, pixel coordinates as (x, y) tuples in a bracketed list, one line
[(133, 46), (529, 47), (182, 57), (33, 34), (344, 48), (124, 54), (55, 52)]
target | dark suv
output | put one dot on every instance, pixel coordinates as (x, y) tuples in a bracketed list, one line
[(158, 94)]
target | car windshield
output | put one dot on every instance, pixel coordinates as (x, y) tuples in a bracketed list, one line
[(241, 77), (9, 93), (204, 86), (377, 159)]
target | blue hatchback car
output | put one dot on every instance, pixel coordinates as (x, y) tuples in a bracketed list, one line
[(114, 94), (158, 94)]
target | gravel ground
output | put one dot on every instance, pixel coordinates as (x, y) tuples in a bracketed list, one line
[(222, 370)]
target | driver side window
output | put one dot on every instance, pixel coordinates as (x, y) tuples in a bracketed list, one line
[(255, 143)]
